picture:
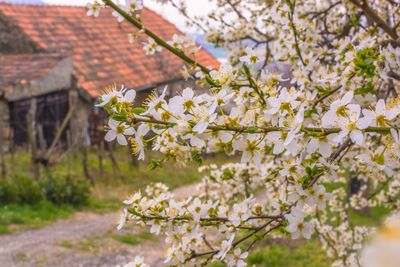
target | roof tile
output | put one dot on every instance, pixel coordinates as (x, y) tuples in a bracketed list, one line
[(99, 47), (22, 68)]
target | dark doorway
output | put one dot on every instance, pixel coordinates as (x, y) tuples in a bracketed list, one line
[(51, 110)]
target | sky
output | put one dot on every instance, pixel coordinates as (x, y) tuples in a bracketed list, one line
[(195, 7)]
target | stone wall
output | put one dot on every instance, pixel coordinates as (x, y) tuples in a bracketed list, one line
[(58, 78)]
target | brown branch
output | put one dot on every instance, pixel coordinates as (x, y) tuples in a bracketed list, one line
[(186, 15), (371, 14), (179, 53), (254, 129), (322, 12)]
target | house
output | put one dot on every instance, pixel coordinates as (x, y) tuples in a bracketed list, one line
[(55, 61)]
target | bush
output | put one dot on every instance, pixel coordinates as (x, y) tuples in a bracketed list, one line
[(66, 190), (20, 189), (8, 192)]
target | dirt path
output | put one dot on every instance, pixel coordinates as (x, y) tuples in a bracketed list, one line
[(84, 240)]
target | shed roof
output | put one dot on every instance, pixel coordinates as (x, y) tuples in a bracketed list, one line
[(99, 47), (23, 68)]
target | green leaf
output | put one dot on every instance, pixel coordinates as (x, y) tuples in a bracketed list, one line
[(119, 117), (369, 88), (354, 21), (308, 113), (258, 237), (246, 69), (211, 81), (227, 174), (322, 89), (364, 62), (134, 212), (309, 170), (154, 164), (196, 157), (138, 110), (251, 129)]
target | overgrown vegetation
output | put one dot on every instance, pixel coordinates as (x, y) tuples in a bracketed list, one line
[(21, 189), (14, 217), (63, 188)]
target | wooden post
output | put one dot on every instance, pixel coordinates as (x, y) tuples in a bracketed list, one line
[(12, 158), (40, 138), (101, 156), (85, 165), (3, 165), (31, 128), (112, 157), (2, 150), (3, 134), (134, 160), (69, 158)]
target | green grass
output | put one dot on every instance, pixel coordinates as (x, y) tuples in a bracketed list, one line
[(371, 217), (16, 217), (90, 245), (95, 244), (306, 254), (133, 239)]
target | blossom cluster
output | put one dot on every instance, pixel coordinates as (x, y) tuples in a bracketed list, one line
[(308, 100), (189, 222)]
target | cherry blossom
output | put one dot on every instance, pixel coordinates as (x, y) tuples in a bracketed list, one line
[(307, 99), (252, 56), (138, 262), (118, 131)]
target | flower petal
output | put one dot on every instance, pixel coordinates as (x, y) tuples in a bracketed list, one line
[(122, 140), (110, 135)]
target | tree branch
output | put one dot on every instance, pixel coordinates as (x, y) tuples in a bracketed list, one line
[(158, 40), (370, 13)]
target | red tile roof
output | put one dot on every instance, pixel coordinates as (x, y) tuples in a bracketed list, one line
[(99, 47), (23, 68)]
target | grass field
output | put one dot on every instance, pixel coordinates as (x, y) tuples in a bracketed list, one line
[(15, 217)]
